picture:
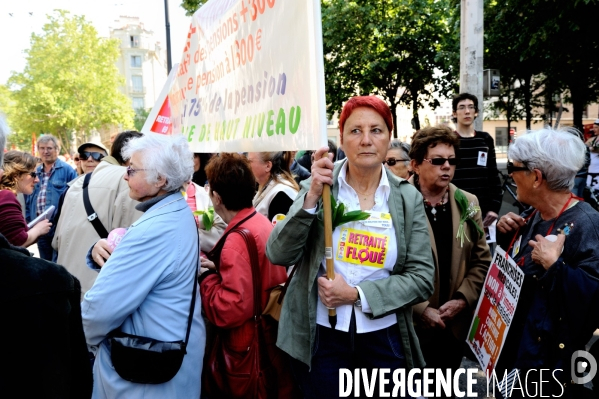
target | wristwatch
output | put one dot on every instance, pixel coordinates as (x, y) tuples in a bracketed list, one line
[(358, 302)]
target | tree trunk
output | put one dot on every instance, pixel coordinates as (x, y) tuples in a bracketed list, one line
[(578, 93), (527, 101), (415, 118), (393, 108)]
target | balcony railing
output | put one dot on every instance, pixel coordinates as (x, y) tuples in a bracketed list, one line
[(137, 89)]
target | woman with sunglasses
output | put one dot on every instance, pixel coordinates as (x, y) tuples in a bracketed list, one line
[(90, 155), (398, 159), (556, 244), (461, 264), (383, 265), (19, 178)]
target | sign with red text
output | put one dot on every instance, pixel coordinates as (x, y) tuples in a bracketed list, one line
[(495, 309), (159, 120), (251, 77)]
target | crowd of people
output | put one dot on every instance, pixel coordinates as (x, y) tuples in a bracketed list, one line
[(172, 257)]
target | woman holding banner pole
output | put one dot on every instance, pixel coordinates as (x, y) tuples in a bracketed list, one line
[(461, 260), (556, 243), (383, 265)]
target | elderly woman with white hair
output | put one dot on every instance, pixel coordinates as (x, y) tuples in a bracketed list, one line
[(556, 244), (147, 285), (398, 159)]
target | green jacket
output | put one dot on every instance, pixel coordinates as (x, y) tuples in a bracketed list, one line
[(299, 239)]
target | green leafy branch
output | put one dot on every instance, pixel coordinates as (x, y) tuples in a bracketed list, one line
[(207, 217), (339, 215), (467, 212)]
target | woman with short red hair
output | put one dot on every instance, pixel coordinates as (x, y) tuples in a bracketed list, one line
[(383, 265)]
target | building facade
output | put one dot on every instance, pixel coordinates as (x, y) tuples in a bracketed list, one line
[(142, 62)]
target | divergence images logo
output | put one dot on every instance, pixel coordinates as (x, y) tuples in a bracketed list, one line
[(580, 362)]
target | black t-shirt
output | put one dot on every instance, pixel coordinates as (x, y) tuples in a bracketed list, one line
[(482, 181)]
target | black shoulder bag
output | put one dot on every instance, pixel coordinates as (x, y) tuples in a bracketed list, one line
[(145, 360), (92, 216)]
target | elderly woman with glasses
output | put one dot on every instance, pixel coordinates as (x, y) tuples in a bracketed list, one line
[(147, 282), (398, 159), (556, 244), (19, 178), (461, 261)]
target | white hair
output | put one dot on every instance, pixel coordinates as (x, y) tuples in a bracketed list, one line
[(559, 154), (163, 156), (46, 138)]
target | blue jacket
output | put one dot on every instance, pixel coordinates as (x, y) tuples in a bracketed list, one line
[(145, 288), (63, 173)]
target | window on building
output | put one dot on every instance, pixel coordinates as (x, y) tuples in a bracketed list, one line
[(138, 103), (501, 140), (136, 61), (137, 83), (134, 41)]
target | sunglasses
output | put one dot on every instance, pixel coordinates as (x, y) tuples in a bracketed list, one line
[(131, 171), (393, 161), (32, 174), (441, 161), (96, 156), (511, 168)]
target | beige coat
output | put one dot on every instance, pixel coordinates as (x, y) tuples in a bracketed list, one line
[(109, 196), (469, 267)]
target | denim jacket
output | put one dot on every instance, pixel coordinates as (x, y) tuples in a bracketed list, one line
[(57, 184)]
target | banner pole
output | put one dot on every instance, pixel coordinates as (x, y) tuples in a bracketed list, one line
[(328, 242)]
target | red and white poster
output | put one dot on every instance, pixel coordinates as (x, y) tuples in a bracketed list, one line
[(495, 310)]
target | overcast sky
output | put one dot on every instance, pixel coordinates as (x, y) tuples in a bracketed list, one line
[(29, 16)]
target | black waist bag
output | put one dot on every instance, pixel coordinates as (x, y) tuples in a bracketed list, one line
[(145, 360)]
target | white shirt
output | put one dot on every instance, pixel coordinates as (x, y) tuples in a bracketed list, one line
[(375, 239)]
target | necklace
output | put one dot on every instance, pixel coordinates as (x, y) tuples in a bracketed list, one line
[(366, 195), (440, 203)]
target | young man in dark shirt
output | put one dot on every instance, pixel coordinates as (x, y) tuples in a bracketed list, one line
[(477, 171)]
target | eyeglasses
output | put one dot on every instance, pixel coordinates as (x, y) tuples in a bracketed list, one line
[(393, 161), (131, 171), (469, 107), (441, 161), (511, 168), (97, 156)]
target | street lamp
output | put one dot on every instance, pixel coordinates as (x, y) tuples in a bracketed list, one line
[(169, 63)]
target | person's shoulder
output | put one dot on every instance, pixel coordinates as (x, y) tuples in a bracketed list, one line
[(484, 135), (7, 196), (107, 169), (25, 275), (469, 196)]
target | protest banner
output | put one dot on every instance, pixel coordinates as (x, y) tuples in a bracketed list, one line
[(159, 119), (251, 77), (495, 309)]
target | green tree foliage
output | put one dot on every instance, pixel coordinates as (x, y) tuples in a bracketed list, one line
[(548, 48), (191, 6), (140, 118), (391, 48), (70, 81)]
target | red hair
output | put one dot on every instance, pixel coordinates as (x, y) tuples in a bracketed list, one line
[(373, 102)]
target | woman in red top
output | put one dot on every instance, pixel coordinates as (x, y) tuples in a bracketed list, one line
[(226, 289), (19, 177)]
